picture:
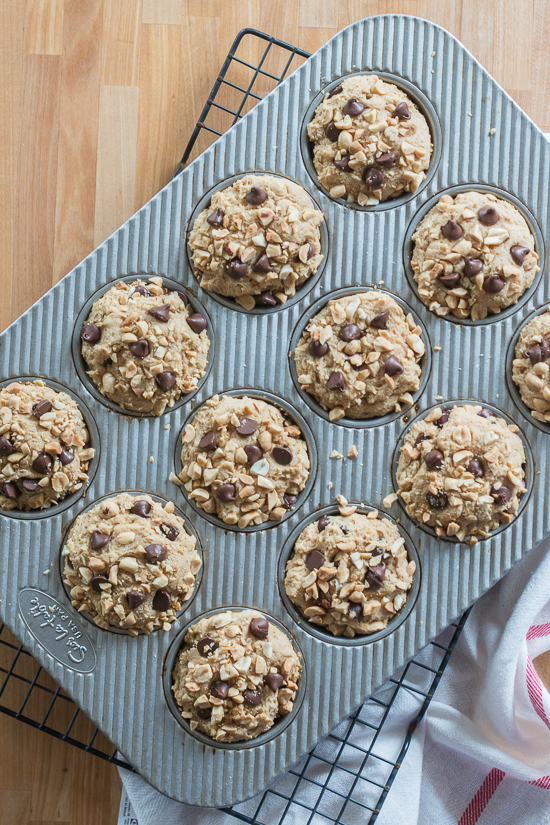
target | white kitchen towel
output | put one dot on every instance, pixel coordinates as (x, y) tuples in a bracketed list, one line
[(482, 753)]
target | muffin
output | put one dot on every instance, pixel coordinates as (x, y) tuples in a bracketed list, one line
[(144, 346), (370, 141), (530, 369), (474, 255), (236, 675), (258, 241), (359, 356), (44, 455), (243, 461), (349, 574), (130, 563), (461, 471)]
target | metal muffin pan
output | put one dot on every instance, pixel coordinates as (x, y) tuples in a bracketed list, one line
[(119, 680)]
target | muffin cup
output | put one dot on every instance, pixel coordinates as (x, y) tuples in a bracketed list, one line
[(513, 388), (424, 105), (280, 725), (363, 423), (80, 363), (317, 630), (307, 435), (408, 248), (529, 467), (231, 303)]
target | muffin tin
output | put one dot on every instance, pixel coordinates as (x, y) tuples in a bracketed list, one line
[(119, 681)]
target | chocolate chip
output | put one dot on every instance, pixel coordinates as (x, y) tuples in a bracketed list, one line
[(485, 413), (519, 253), (135, 599), (98, 580), (142, 290), (336, 381), (344, 529), (41, 408), (420, 438), (314, 560), (343, 163), (449, 280), (380, 321), (475, 467), (169, 531), (256, 196), (402, 111), (216, 218), (90, 333), (141, 508), (262, 265), (161, 313), (219, 689), (165, 381), (502, 495), (155, 553), (310, 251), (253, 453), (266, 299), (373, 177), (253, 697), (66, 457), (197, 322), (42, 463), (316, 348), (537, 353), (208, 442), (437, 500), (387, 159), (98, 540), (282, 455), (322, 523), (350, 332), (204, 711), (31, 485), (108, 363), (393, 366), (375, 575), (335, 91), (289, 500), (6, 446), (274, 681), (162, 601), (235, 268), (332, 132), (493, 284), (259, 627), (443, 418), (353, 107), (207, 645), (11, 490), (355, 611), (472, 267), (226, 492), (452, 230), (140, 349), (183, 297), (324, 600), (247, 426), (434, 459), (488, 215)]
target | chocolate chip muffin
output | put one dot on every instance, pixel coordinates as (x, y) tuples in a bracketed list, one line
[(531, 368), (243, 460), (461, 471), (236, 675), (359, 356), (349, 574), (144, 346), (370, 141), (474, 255), (44, 455), (258, 241), (130, 563)]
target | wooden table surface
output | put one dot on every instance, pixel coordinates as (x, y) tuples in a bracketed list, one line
[(98, 100)]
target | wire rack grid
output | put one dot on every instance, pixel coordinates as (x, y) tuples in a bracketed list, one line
[(347, 776)]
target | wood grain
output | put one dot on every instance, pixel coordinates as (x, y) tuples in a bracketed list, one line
[(98, 99)]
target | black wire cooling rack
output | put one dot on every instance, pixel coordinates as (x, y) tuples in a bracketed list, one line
[(346, 777)]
